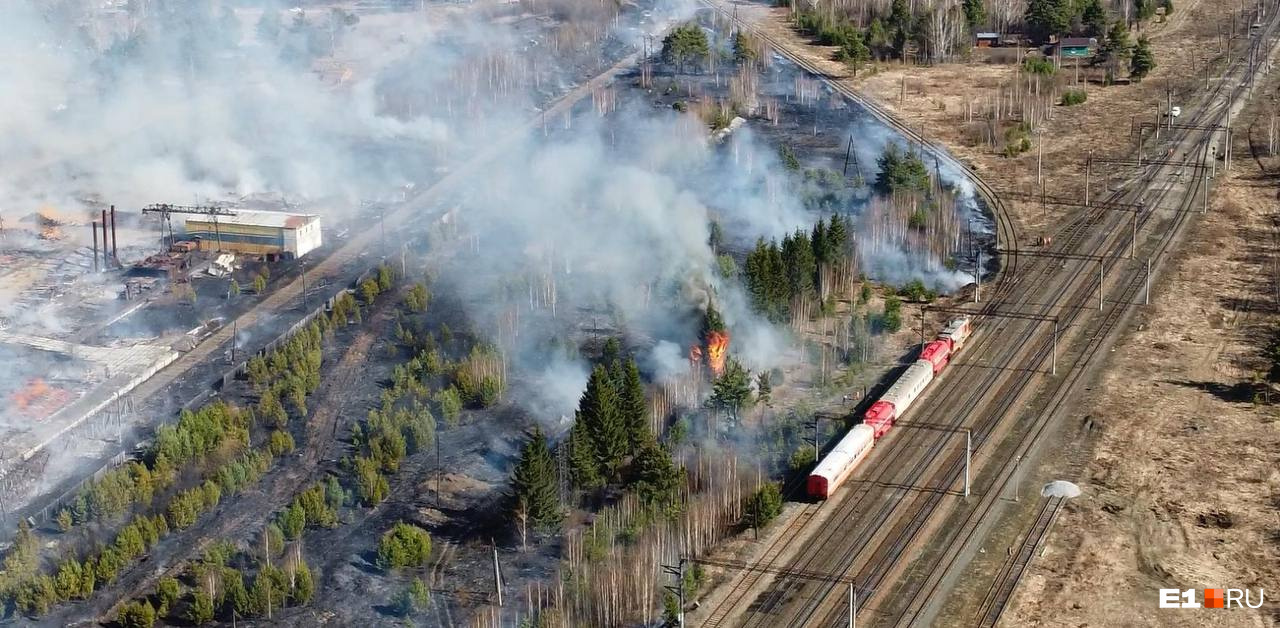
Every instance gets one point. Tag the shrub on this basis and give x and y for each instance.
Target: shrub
(137, 615)
(801, 458)
(168, 592)
(916, 291)
(1017, 140)
(280, 443)
(763, 506)
(404, 545)
(1039, 65)
(1074, 97)
(892, 313)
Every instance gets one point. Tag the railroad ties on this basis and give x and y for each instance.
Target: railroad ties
(1006, 581)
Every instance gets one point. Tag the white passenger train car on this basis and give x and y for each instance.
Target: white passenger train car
(908, 387)
(841, 461)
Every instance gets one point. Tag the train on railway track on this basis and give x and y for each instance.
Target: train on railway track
(841, 461)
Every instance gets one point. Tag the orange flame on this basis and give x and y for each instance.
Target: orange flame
(717, 351)
(695, 356)
(34, 390)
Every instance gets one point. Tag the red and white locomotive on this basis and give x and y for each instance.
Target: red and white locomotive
(840, 462)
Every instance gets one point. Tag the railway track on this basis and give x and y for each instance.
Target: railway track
(1100, 339)
(993, 604)
(1077, 234)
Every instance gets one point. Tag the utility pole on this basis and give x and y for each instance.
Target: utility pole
(817, 453)
(1088, 165)
(1017, 477)
(1040, 158)
(1100, 279)
(1205, 209)
(497, 573)
(1133, 244)
(439, 469)
(1044, 210)
(1226, 163)
(853, 606)
(968, 453)
(1142, 146)
(1055, 347)
(922, 327)
(1146, 299)
(678, 589)
(977, 273)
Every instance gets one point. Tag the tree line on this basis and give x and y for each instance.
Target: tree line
(216, 430)
(213, 587)
(862, 32)
(610, 444)
(778, 275)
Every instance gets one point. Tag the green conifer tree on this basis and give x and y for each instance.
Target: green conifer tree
(732, 390)
(583, 467)
(533, 483)
(598, 410)
(635, 411)
(1144, 60)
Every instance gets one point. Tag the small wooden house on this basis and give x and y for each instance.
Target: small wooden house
(987, 40)
(1077, 47)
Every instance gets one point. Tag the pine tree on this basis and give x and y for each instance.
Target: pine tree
(634, 410)
(818, 240)
(612, 351)
(685, 43)
(755, 271)
(1116, 47)
(877, 38)
(657, 480)
(1046, 18)
(764, 388)
(899, 16)
(901, 171)
(303, 584)
(800, 265)
(732, 390)
(743, 52)
(612, 361)
(837, 237)
(583, 467)
(975, 13)
(533, 483)
(711, 320)
(1094, 18)
(1144, 60)
(598, 410)
(779, 290)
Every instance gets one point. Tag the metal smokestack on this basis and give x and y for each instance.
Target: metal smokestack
(114, 257)
(94, 228)
(105, 263)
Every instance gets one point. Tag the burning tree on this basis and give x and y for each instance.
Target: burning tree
(716, 338)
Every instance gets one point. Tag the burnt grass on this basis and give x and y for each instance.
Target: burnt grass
(456, 491)
(469, 517)
(464, 519)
